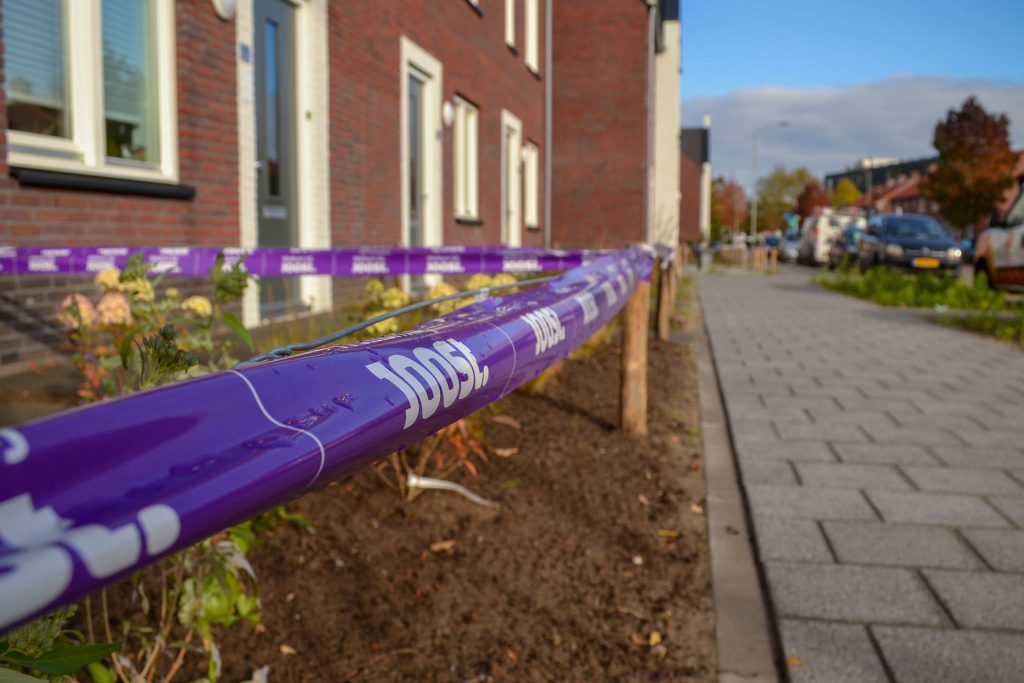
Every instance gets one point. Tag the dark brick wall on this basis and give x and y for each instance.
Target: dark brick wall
(689, 202)
(599, 122)
(208, 161)
(365, 99)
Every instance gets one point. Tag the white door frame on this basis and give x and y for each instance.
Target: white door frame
(312, 163)
(416, 60)
(511, 192)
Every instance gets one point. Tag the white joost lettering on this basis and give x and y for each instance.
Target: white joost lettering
(160, 526)
(623, 287)
(33, 580)
(460, 364)
(479, 378)
(428, 391)
(13, 445)
(22, 525)
(442, 371)
(105, 551)
(528, 319)
(589, 306)
(609, 293)
(381, 371)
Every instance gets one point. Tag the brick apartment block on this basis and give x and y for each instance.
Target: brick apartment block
(328, 123)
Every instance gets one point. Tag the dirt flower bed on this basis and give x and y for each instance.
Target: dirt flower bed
(594, 567)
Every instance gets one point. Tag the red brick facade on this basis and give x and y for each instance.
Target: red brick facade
(689, 210)
(599, 165)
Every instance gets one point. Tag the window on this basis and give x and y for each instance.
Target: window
(98, 99)
(465, 163)
(531, 182)
(510, 23)
(532, 37)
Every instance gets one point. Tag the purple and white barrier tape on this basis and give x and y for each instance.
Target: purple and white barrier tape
(285, 262)
(90, 495)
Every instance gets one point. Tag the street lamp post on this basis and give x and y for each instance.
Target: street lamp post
(753, 213)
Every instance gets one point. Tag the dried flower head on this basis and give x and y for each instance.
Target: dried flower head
(109, 279)
(114, 309)
(141, 290)
(76, 310)
(199, 305)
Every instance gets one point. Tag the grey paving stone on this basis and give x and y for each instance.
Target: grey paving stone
(976, 456)
(928, 655)
(964, 480)
(799, 451)
(796, 540)
(897, 454)
(935, 508)
(990, 437)
(830, 653)
(848, 475)
(923, 436)
(1011, 507)
(857, 417)
(809, 503)
(850, 593)
(981, 600)
(1003, 549)
(841, 433)
(752, 430)
(899, 545)
(768, 472)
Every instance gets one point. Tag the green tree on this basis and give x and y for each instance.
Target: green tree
(976, 163)
(777, 194)
(845, 194)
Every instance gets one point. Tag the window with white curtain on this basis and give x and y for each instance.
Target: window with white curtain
(464, 165)
(91, 87)
(532, 36)
(531, 185)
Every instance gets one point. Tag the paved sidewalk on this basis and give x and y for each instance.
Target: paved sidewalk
(883, 462)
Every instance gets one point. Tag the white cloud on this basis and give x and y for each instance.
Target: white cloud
(829, 129)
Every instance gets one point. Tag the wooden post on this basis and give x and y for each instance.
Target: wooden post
(666, 283)
(635, 321)
(774, 261)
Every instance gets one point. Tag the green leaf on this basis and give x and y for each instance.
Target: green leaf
(100, 673)
(238, 328)
(64, 659)
(8, 676)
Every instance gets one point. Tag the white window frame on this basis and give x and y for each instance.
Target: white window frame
(85, 151)
(416, 60)
(531, 186)
(465, 164)
(510, 23)
(511, 180)
(532, 50)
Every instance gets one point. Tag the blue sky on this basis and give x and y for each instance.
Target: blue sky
(863, 78)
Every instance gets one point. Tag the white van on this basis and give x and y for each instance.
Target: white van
(818, 232)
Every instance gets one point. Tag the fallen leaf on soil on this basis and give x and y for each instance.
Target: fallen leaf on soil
(630, 612)
(674, 438)
(654, 639)
(637, 560)
(506, 420)
(668, 533)
(637, 640)
(512, 657)
(511, 484)
(290, 597)
(441, 546)
(695, 465)
(696, 509)
(505, 452)
(659, 651)
(643, 499)
(288, 650)
(794, 662)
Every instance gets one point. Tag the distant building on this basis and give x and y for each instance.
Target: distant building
(695, 183)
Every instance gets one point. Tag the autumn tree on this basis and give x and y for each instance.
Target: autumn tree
(811, 198)
(845, 194)
(728, 205)
(777, 194)
(975, 163)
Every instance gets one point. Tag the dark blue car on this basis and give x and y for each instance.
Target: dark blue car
(909, 242)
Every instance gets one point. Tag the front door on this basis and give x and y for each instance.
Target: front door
(274, 40)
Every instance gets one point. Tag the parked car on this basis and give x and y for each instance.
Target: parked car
(908, 241)
(844, 246)
(790, 246)
(999, 251)
(818, 232)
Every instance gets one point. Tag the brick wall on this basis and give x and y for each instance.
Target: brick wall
(365, 99)
(599, 122)
(207, 141)
(689, 210)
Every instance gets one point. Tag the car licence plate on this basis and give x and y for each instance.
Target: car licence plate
(926, 263)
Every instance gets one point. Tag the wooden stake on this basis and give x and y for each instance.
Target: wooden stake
(774, 267)
(666, 286)
(635, 321)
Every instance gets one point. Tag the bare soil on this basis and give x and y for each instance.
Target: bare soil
(569, 580)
